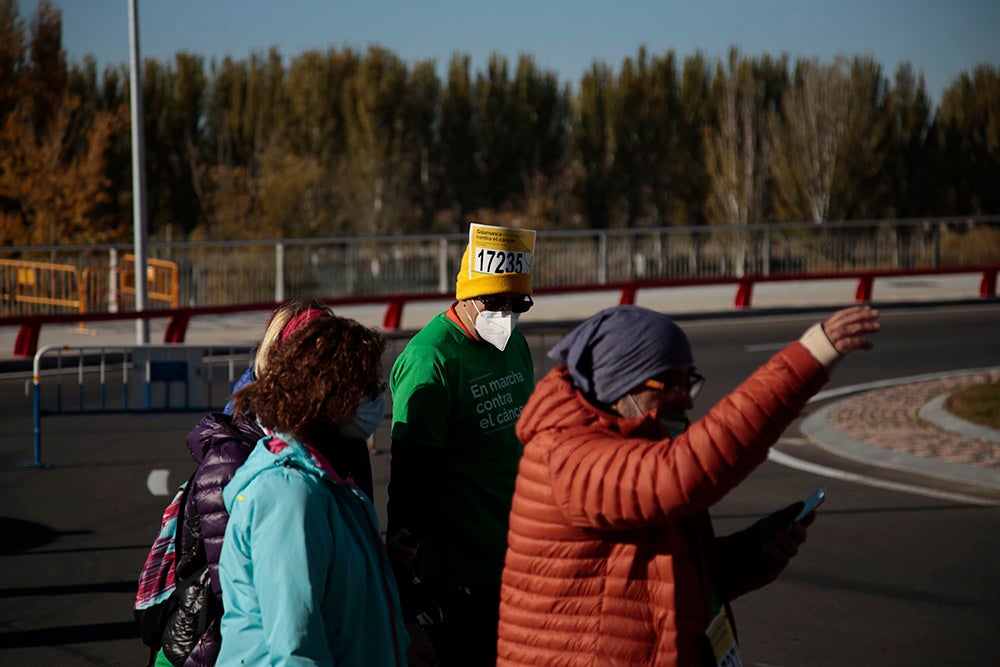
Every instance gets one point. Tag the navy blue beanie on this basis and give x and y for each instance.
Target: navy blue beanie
(618, 348)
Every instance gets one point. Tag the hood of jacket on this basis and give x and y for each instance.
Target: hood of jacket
(216, 428)
(262, 458)
(556, 404)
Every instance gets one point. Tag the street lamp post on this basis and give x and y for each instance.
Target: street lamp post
(138, 175)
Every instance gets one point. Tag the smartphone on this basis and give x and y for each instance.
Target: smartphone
(812, 502)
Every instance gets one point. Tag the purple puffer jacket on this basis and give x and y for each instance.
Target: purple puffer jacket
(218, 451)
(219, 445)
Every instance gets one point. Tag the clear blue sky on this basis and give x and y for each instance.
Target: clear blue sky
(940, 38)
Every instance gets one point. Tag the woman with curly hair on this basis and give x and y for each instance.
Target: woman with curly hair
(219, 444)
(304, 573)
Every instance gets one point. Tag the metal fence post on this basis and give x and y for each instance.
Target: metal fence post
(765, 268)
(113, 280)
(937, 244)
(443, 282)
(351, 265)
(602, 258)
(37, 425)
(279, 272)
(36, 401)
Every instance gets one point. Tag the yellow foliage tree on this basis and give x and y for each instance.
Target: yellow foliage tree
(55, 190)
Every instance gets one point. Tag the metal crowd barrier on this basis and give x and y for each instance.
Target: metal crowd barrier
(103, 379)
(162, 281)
(30, 287)
(38, 287)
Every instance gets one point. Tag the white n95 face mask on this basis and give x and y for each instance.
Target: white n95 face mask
(366, 418)
(495, 326)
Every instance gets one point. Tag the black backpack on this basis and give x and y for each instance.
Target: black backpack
(158, 607)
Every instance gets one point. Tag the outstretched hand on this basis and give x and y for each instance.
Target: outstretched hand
(847, 328)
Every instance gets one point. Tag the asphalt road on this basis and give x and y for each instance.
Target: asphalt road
(886, 577)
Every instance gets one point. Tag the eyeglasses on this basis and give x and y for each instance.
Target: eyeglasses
(517, 304)
(694, 384)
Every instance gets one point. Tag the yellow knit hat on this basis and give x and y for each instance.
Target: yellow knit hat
(499, 261)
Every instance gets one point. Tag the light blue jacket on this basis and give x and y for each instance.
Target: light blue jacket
(305, 577)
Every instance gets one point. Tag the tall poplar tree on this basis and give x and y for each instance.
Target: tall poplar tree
(592, 141)
(539, 120)
(459, 144)
(422, 120)
(497, 156)
(636, 135)
(909, 167)
(736, 154)
(374, 175)
(172, 100)
(969, 123)
(805, 135)
(696, 99)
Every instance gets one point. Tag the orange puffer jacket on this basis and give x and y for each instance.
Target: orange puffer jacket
(610, 548)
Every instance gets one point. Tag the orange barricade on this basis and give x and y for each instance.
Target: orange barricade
(162, 280)
(28, 288)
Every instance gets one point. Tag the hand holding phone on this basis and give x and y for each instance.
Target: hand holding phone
(811, 503)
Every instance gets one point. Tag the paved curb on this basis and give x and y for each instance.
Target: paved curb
(825, 434)
(935, 413)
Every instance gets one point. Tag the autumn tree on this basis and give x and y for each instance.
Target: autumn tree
(13, 56)
(105, 92)
(57, 192)
(53, 186)
(45, 71)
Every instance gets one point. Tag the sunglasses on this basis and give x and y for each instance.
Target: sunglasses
(516, 304)
(693, 386)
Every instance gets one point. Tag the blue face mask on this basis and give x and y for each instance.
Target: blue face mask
(366, 418)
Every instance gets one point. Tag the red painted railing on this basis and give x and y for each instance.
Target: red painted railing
(26, 343)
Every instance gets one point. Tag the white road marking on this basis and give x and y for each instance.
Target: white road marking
(832, 473)
(157, 480)
(790, 461)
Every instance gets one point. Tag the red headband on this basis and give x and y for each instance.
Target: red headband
(299, 320)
